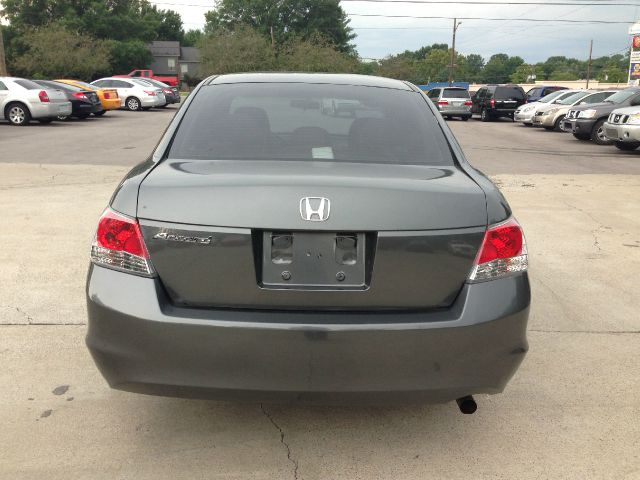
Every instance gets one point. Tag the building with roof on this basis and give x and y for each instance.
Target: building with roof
(170, 58)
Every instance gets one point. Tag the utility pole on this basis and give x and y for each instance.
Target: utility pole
(452, 66)
(273, 40)
(3, 64)
(589, 64)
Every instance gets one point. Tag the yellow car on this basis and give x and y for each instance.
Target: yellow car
(108, 96)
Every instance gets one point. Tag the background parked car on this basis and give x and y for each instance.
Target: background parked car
(586, 122)
(541, 91)
(146, 74)
(452, 101)
(552, 115)
(525, 113)
(171, 94)
(133, 96)
(494, 101)
(108, 97)
(623, 128)
(21, 100)
(83, 102)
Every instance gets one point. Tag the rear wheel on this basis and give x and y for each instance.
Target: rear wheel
(133, 104)
(464, 119)
(484, 115)
(17, 114)
(627, 146)
(597, 134)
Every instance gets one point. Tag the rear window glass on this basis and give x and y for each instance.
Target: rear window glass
(315, 122)
(455, 93)
(509, 93)
(28, 84)
(86, 85)
(570, 99)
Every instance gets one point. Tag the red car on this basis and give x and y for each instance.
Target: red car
(169, 80)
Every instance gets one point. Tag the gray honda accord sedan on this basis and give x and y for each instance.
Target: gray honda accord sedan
(308, 237)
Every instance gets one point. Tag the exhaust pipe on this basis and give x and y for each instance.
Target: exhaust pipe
(467, 405)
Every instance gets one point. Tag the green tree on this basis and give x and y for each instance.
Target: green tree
(316, 54)
(191, 38)
(398, 67)
(127, 56)
(241, 50)
(500, 67)
(52, 51)
(288, 19)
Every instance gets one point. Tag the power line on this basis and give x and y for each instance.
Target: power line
(468, 2)
(537, 20)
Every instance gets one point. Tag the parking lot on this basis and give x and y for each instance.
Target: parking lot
(570, 411)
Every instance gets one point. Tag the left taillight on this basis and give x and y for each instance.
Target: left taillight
(151, 93)
(44, 98)
(503, 252)
(119, 244)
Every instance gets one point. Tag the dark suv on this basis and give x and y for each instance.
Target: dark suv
(495, 101)
(540, 91)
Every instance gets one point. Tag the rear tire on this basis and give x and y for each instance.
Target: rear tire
(100, 113)
(133, 104)
(464, 119)
(627, 146)
(597, 134)
(17, 114)
(484, 115)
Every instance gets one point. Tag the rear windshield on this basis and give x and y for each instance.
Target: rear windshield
(86, 85)
(28, 84)
(315, 122)
(455, 93)
(509, 93)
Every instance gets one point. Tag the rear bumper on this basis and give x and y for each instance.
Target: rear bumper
(50, 109)
(526, 117)
(142, 343)
(456, 112)
(622, 133)
(82, 108)
(110, 103)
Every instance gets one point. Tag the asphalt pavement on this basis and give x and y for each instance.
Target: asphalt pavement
(570, 412)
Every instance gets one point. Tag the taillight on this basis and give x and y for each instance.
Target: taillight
(151, 93)
(443, 102)
(468, 103)
(503, 252)
(119, 245)
(493, 103)
(42, 95)
(79, 95)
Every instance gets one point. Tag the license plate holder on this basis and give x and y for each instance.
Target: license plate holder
(313, 260)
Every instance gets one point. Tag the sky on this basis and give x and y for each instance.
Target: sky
(533, 41)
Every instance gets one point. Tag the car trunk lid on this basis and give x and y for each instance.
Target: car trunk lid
(396, 237)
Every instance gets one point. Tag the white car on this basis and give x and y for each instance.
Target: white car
(623, 128)
(22, 100)
(525, 113)
(133, 95)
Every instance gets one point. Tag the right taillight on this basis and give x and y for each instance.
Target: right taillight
(119, 245)
(503, 252)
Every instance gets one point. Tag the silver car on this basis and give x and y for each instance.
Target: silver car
(22, 100)
(134, 95)
(452, 102)
(525, 113)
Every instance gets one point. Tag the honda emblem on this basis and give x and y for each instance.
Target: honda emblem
(314, 209)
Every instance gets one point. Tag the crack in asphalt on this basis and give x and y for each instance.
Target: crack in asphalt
(282, 440)
(601, 226)
(18, 309)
